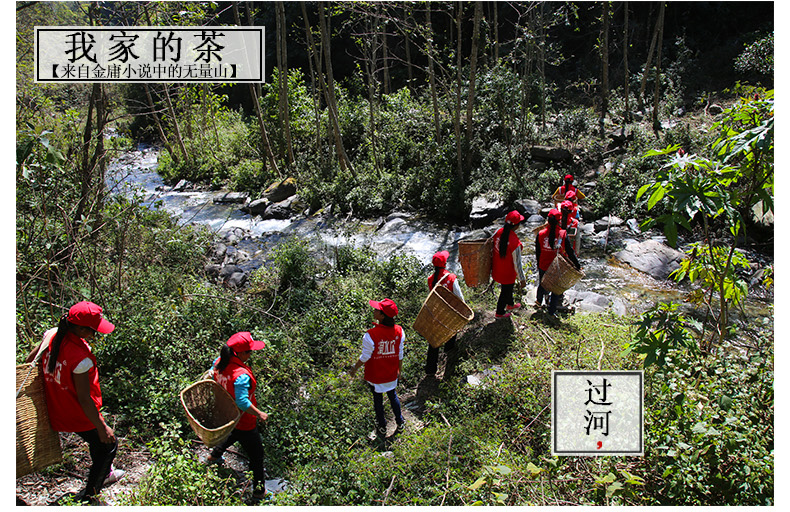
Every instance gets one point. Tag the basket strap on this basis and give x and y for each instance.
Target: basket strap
(440, 281)
(34, 363)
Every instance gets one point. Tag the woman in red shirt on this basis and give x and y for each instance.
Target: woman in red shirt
(72, 391)
(233, 374)
(506, 266)
(382, 353)
(449, 280)
(550, 241)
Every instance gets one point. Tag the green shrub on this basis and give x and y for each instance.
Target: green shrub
(178, 478)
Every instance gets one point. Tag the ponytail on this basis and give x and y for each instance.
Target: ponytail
(54, 345)
(565, 214)
(436, 273)
(552, 230)
(224, 357)
(503, 241)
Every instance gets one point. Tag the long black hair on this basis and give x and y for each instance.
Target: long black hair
(505, 239)
(54, 346)
(552, 230)
(225, 354)
(565, 215)
(437, 271)
(387, 321)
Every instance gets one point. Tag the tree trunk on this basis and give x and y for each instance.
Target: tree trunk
(313, 57)
(158, 123)
(176, 129)
(432, 77)
(604, 67)
(657, 89)
(472, 76)
(542, 64)
(626, 77)
(331, 101)
(643, 85)
(457, 113)
(256, 104)
(282, 71)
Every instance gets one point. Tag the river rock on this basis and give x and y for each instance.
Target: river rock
(485, 210)
(527, 207)
(633, 225)
(550, 154)
(588, 301)
(219, 251)
(279, 210)
(257, 207)
(181, 186)
(236, 280)
(232, 198)
(280, 191)
(212, 270)
(651, 257)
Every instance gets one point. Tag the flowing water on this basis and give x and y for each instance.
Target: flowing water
(135, 174)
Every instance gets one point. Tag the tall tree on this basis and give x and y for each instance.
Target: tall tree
(267, 147)
(470, 102)
(432, 74)
(648, 63)
(331, 100)
(657, 87)
(282, 72)
(604, 49)
(626, 76)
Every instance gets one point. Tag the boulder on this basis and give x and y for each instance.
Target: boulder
(257, 207)
(651, 257)
(605, 223)
(181, 186)
(232, 198)
(236, 280)
(527, 207)
(212, 270)
(588, 301)
(486, 210)
(550, 154)
(279, 210)
(280, 191)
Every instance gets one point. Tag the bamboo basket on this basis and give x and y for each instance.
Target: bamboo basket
(37, 445)
(475, 259)
(211, 411)
(442, 315)
(560, 275)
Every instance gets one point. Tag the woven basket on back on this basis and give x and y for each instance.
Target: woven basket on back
(443, 314)
(560, 275)
(475, 259)
(37, 445)
(211, 411)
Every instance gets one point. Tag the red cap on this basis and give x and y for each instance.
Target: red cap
(242, 342)
(440, 259)
(555, 213)
(514, 217)
(568, 177)
(571, 195)
(88, 314)
(566, 205)
(386, 306)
